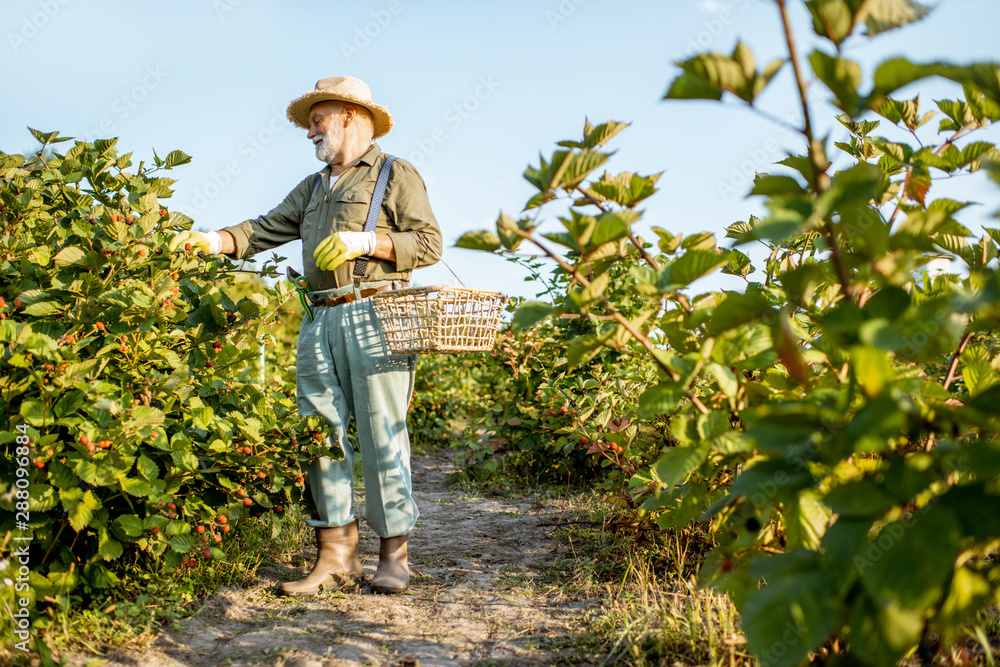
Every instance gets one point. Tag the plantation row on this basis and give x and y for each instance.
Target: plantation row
(830, 427)
(833, 423)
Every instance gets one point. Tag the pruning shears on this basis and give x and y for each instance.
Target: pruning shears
(301, 284)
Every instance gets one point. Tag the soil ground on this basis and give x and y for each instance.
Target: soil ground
(485, 589)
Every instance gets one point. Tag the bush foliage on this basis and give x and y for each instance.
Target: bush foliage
(134, 423)
(834, 420)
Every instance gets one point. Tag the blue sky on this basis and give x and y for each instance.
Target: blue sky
(477, 90)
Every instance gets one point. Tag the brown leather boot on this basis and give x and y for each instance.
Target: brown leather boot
(337, 562)
(393, 575)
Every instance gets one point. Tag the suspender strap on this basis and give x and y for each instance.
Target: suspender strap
(361, 263)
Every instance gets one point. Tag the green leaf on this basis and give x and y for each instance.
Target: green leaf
(182, 543)
(841, 76)
(80, 506)
(660, 399)
(766, 184)
(872, 369)
(860, 499)
(175, 159)
(481, 240)
(884, 15)
(136, 487)
(967, 594)
(35, 412)
(529, 314)
(806, 519)
(738, 309)
(695, 264)
(147, 467)
(832, 19)
(70, 255)
(882, 632)
(595, 137)
(108, 548)
(44, 308)
(47, 137)
(185, 460)
(146, 416)
(739, 264)
(673, 467)
(130, 524)
(789, 617)
(909, 561)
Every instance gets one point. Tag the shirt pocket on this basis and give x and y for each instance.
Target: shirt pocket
(310, 229)
(350, 210)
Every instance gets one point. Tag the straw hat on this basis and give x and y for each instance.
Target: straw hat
(344, 89)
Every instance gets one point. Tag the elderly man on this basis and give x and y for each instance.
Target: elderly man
(344, 365)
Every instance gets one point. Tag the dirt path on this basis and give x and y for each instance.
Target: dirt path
(483, 592)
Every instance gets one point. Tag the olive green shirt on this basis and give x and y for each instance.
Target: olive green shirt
(314, 211)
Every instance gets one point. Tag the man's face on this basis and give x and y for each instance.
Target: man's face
(326, 131)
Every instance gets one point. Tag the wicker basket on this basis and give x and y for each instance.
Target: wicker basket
(439, 319)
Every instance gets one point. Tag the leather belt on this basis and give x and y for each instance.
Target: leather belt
(352, 296)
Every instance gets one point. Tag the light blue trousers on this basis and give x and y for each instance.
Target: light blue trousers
(344, 367)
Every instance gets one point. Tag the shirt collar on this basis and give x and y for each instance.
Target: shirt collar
(367, 159)
(372, 155)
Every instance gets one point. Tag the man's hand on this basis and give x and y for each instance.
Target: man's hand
(210, 242)
(343, 246)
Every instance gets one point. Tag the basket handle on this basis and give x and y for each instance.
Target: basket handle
(451, 270)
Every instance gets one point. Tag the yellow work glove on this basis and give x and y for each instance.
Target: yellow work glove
(341, 247)
(210, 242)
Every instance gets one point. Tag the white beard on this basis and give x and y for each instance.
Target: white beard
(324, 151)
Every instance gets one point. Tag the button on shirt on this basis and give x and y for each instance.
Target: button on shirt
(316, 209)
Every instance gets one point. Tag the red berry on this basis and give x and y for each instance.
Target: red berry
(262, 474)
(142, 252)
(240, 492)
(300, 479)
(727, 565)
(200, 529)
(154, 530)
(225, 529)
(218, 538)
(279, 509)
(185, 560)
(171, 507)
(84, 440)
(163, 211)
(39, 464)
(221, 519)
(206, 553)
(187, 246)
(209, 364)
(317, 436)
(248, 502)
(17, 302)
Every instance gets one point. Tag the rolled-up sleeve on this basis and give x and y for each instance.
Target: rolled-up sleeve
(277, 227)
(416, 236)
